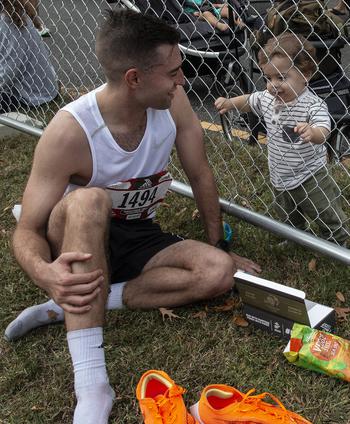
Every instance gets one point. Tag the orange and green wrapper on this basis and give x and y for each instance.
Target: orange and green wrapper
(319, 351)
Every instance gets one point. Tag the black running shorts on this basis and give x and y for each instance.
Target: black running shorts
(132, 244)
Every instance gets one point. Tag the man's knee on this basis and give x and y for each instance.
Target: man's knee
(217, 274)
(90, 204)
(77, 214)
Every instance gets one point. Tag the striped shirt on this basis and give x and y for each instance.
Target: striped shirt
(291, 161)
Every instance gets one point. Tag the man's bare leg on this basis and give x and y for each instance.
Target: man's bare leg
(79, 223)
(185, 272)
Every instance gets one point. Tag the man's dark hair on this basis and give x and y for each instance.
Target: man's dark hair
(129, 39)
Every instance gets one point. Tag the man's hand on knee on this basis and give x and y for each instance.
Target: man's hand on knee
(74, 292)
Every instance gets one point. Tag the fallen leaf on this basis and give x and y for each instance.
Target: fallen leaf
(195, 214)
(230, 304)
(200, 314)
(340, 296)
(37, 408)
(168, 313)
(52, 315)
(165, 205)
(342, 313)
(240, 321)
(312, 265)
(181, 212)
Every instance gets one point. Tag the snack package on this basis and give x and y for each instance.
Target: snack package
(319, 351)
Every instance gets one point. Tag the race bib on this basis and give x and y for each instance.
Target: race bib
(138, 198)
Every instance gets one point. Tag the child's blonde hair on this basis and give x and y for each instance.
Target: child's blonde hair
(296, 48)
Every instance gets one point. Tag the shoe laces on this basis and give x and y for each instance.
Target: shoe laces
(251, 403)
(167, 405)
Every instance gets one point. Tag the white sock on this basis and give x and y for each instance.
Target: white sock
(115, 296)
(49, 313)
(32, 317)
(94, 394)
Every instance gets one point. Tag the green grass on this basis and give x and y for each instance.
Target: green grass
(36, 382)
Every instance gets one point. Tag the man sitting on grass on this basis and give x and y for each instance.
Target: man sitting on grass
(99, 172)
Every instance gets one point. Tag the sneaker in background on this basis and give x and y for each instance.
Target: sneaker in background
(161, 400)
(44, 31)
(221, 404)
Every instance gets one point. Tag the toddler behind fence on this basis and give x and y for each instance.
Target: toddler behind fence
(298, 124)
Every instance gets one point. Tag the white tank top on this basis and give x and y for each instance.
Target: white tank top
(137, 181)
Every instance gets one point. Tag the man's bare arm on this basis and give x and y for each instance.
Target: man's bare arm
(191, 151)
(55, 161)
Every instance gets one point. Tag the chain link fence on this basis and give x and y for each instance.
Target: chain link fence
(217, 62)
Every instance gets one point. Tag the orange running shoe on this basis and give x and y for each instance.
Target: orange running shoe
(161, 400)
(221, 404)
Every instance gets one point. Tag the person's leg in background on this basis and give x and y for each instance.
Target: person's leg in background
(322, 204)
(32, 9)
(212, 20)
(287, 209)
(341, 8)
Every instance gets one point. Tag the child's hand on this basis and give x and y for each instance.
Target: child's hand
(305, 131)
(223, 105)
